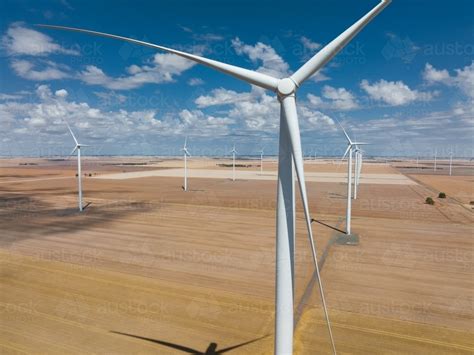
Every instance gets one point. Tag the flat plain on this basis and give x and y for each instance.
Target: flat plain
(149, 268)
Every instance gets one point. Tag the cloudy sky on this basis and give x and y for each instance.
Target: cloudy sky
(405, 83)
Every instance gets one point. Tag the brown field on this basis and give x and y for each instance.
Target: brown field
(178, 269)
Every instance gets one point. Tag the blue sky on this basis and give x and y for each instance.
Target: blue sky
(405, 83)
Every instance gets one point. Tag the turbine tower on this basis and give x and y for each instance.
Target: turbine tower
(186, 155)
(289, 159)
(233, 151)
(351, 146)
(435, 159)
(261, 161)
(77, 148)
(358, 152)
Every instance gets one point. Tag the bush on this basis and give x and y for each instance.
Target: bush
(442, 195)
(429, 201)
(471, 203)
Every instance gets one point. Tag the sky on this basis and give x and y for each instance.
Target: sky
(405, 84)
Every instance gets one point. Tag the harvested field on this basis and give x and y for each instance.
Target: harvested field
(174, 269)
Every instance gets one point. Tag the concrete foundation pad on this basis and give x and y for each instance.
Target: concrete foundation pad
(347, 239)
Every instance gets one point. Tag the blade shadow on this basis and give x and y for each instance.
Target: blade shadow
(327, 225)
(211, 349)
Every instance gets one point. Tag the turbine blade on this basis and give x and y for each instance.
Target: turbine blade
(347, 151)
(74, 150)
(251, 77)
(335, 46)
(292, 125)
(345, 133)
(72, 134)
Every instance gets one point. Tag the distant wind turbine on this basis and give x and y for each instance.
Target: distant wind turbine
(186, 155)
(261, 161)
(233, 151)
(350, 149)
(77, 148)
(435, 159)
(290, 159)
(451, 161)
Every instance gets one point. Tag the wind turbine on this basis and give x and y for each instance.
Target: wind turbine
(435, 159)
(351, 146)
(451, 161)
(290, 158)
(77, 148)
(186, 155)
(261, 161)
(233, 151)
(358, 168)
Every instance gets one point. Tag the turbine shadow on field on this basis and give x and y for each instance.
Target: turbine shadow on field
(211, 349)
(327, 225)
(25, 217)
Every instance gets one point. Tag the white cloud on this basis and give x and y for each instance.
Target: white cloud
(221, 96)
(163, 69)
(433, 75)
(341, 98)
(20, 40)
(332, 98)
(315, 119)
(463, 79)
(46, 117)
(260, 111)
(195, 82)
(394, 93)
(309, 44)
(61, 93)
(272, 63)
(49, 71)
(15, 96)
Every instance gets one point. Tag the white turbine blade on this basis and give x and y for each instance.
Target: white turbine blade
(335, 46)
(74, 150)
(72, 134)
(345, 153)
(251, 77)
(185, 141)
(343, 130)
(292, 125)
(187, 152)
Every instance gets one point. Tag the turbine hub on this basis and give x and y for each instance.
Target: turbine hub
(286, 87)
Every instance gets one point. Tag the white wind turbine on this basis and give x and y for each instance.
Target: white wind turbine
(451, 161)
(289, 159)
(358, 168)
(234, 152)
(77, 148)
(435, 159)
(186, 155)
(261, 161)
(351, 146)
